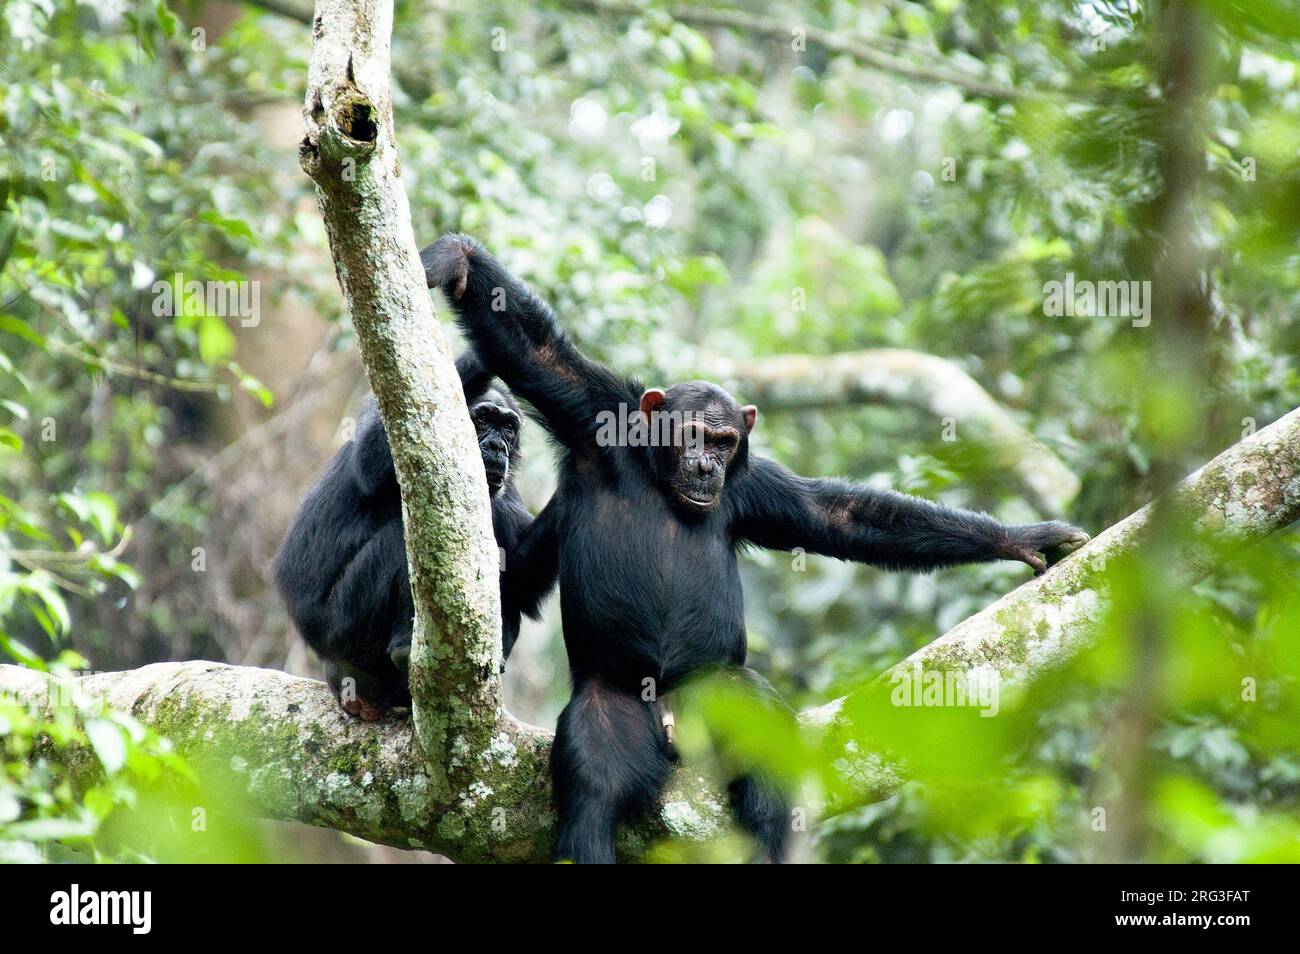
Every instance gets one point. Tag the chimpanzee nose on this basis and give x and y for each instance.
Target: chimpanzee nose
(705, 465)
(495, 445)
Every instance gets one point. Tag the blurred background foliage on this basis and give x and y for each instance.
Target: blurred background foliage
(680, 191)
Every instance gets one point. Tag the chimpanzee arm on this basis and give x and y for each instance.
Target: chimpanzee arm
(519, 340)
(369, 458)
(529, 573)
(775, 508)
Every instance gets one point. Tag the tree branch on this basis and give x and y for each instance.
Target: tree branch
(895, 376)
(864, 49)
(298, 757)
(1246, 493)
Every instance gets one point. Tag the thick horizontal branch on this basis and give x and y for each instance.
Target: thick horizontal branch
(283, 742)
(896, 376)
(1246, 493)
(298, 757)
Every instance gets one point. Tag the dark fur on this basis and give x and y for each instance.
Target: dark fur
(649, 583)
(342, 567)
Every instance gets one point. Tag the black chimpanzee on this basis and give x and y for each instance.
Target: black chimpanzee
(647, 539)
(342, 567)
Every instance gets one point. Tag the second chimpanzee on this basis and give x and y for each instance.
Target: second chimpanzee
(647, 533)
(342, 567)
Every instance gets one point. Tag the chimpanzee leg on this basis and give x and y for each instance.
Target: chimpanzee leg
(760, 802)
(609, 762)
(372, 615)
(763, 810)
(399, 643)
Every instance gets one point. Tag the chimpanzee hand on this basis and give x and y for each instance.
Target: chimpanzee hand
(1052, 538)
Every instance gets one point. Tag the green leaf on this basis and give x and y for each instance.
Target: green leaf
(10, 808)
(95, 508)
(20, 653)
(137, 140)
(216, 341)
(16, 326)
(166, 19)
(101, 513)
(255, 387)
(8, 233)
(58, 619)
(108, 742)
(231, 227)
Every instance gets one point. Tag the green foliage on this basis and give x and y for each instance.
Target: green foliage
(79, 783)
(115, 172)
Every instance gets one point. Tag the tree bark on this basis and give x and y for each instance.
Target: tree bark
(351, 153)
(298, 757)
(898, 376)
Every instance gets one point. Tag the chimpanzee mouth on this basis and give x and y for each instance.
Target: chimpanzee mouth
(701, 502)
(496, 475)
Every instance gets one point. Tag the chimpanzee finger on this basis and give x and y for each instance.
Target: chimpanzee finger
(1035, 561)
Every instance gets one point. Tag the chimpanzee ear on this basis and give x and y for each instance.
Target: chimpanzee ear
(651, 401)
(750, 414)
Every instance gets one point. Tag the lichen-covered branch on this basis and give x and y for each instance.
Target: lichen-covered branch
(297, 756)
(897, 376)
(283, 742)
(351, 153)
(1249, 491)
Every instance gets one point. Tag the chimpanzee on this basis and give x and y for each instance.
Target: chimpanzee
(342, 567)
(647, 532)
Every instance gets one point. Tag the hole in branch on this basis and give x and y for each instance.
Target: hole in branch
(357, 120)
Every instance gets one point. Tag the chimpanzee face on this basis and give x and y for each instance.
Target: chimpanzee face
(709, 431)
(497, 424)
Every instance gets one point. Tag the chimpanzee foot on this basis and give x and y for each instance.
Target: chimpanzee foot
(361, 709)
